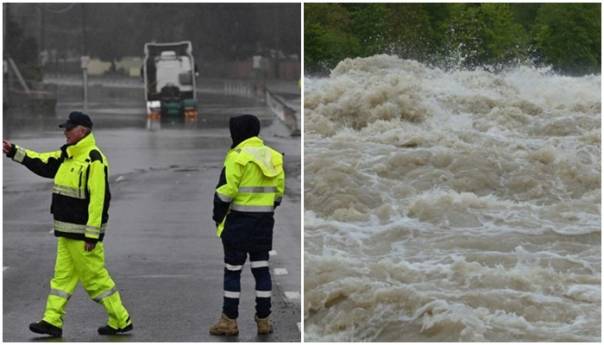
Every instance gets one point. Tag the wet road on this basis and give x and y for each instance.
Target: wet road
(160, 247)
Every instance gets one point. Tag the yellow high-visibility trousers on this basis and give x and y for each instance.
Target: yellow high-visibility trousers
(74, 265)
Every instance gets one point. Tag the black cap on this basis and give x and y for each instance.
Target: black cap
(77, 118)
(243, 127)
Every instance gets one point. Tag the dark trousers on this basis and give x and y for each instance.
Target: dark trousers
(234, 260)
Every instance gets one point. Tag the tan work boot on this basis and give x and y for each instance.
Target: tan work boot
(265, 325)
(225, 326)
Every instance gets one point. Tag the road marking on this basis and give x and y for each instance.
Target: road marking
(272, 253)
(161, 276)
(292, 295)
(4, 268)
(280, 271)
(299, 327)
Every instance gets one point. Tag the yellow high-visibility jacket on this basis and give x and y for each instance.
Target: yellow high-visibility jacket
(253, 181)
(80, 196)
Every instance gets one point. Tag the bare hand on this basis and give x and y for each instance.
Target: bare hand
(6, 146)
(89, 246)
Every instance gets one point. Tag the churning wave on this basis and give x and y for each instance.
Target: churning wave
(451, 205)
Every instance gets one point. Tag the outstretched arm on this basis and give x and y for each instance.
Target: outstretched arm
(43, 164)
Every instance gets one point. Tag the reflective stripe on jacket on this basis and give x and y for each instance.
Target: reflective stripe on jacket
(252, 181)
(80, 195)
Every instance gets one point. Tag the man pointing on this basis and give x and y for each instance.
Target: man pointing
(80, 201)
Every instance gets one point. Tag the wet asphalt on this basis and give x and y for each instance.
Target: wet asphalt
(161, 248)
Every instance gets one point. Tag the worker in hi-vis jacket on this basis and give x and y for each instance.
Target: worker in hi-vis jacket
(250, 187)
(80, 201)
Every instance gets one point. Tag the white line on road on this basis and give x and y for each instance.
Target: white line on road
(163, 276)
(272, 252)
(292, 295)
(280, 271)
(299, 327)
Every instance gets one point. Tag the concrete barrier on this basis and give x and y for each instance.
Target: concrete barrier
(283, 111)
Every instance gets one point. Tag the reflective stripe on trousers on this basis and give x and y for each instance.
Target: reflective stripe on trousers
(231, 294)
(263, 294)
(233, 267)
(60, 293)
(104, 295)
(258, 264)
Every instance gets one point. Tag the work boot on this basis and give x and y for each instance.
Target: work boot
(225, 326)
(44, 327)
(265, 326)
(108, 330)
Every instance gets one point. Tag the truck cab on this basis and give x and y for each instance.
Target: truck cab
(170, 81)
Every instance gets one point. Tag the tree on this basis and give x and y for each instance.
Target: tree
(525, 14)
(327, 36)
(506, 40)
(494, 35)
(410, 33)
(568, 36)
(368, 25)
(486, 34)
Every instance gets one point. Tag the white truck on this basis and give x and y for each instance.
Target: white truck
(169, 75)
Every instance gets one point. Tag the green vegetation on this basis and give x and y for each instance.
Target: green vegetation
(568, 36)
(565, 36)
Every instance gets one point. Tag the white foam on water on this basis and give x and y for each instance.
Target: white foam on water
(451, 205)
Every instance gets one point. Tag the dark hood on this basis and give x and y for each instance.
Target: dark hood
(243, 127)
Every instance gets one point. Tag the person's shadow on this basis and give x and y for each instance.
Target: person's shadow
(109, 338)
(48, 339)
